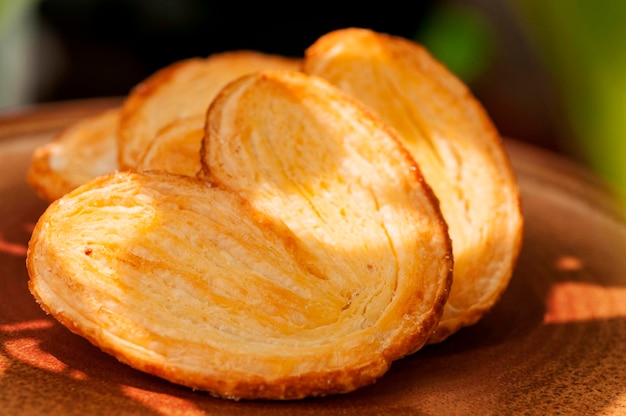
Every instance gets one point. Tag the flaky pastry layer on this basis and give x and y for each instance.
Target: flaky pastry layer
(456, 146)
(308, 258)
(183, 90)
(78, 154)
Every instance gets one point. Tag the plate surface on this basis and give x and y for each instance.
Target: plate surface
(554, 344)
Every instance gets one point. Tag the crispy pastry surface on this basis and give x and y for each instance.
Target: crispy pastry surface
(175, 148)
(183, 90)
(78, 154)
(309, 257)
(456, 146)
(160, 125)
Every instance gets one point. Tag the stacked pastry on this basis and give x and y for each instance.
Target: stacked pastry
(278, 228)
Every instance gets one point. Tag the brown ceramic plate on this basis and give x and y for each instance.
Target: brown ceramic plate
(554, 344)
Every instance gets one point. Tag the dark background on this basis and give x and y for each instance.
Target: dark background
(99, 48)
(119, 42)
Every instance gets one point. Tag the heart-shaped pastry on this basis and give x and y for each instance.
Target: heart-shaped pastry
(309, 256)
(456, 146)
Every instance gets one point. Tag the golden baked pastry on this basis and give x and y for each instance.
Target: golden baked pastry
(456, 146)
(165, 104)
(175, 148)
(78, 154)
(183, 89)
(309, 256)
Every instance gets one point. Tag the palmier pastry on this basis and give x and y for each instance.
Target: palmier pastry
(183, 90)
(456, 146)
(171, 101)
(309, 256)
(75, 156)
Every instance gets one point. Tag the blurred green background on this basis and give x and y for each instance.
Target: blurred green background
(551, 73)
